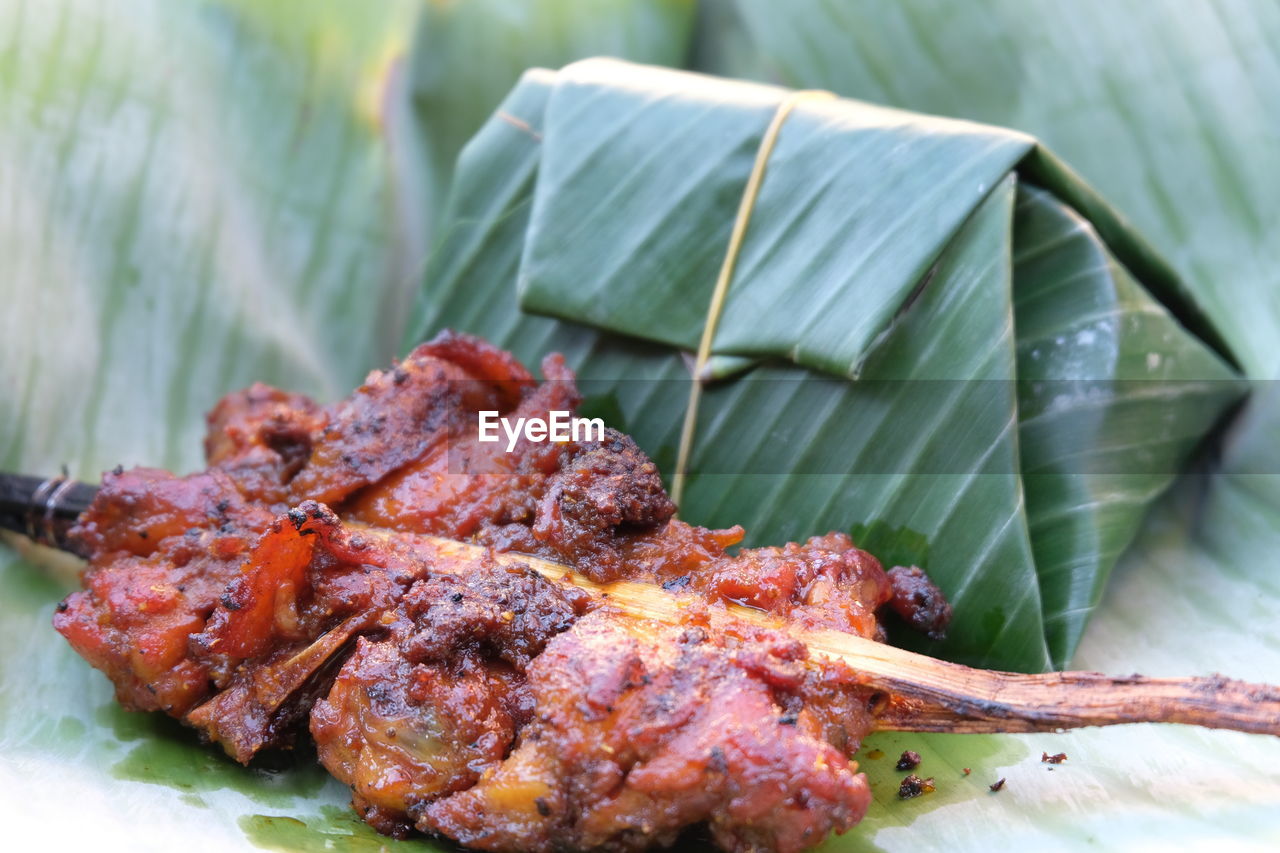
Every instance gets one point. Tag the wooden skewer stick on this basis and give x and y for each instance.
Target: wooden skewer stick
(928, 695)
(42, 509)
(920, 693)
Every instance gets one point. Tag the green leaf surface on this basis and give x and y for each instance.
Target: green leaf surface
(466, 56)
(1168, 108)
(194, 196)
(881, 375)
(191, 199)
(1095, 451)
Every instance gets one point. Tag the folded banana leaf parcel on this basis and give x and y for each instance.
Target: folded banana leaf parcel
(819, 314)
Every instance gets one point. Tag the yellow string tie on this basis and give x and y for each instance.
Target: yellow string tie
(740, 223)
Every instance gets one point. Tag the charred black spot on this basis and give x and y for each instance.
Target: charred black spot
(914, 786)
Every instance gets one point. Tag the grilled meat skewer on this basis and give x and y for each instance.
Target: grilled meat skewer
(525, 650)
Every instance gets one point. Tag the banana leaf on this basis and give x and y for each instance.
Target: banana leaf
(1169, 109)
(196, 196)
(937, 337)
(444, 92)
(191, 198)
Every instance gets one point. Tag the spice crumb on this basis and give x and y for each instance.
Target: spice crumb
(998, 784)
(1057, 758)
(966, 771)
(909, 760)
(914, 786)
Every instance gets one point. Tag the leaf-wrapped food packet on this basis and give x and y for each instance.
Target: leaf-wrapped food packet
(934, 336)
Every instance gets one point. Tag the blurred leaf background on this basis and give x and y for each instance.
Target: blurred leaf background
(197, 195)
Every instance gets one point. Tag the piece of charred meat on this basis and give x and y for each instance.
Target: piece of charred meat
(919, 602)
(427, 708)
(163, 551)
(640, 730)
(292, 588)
